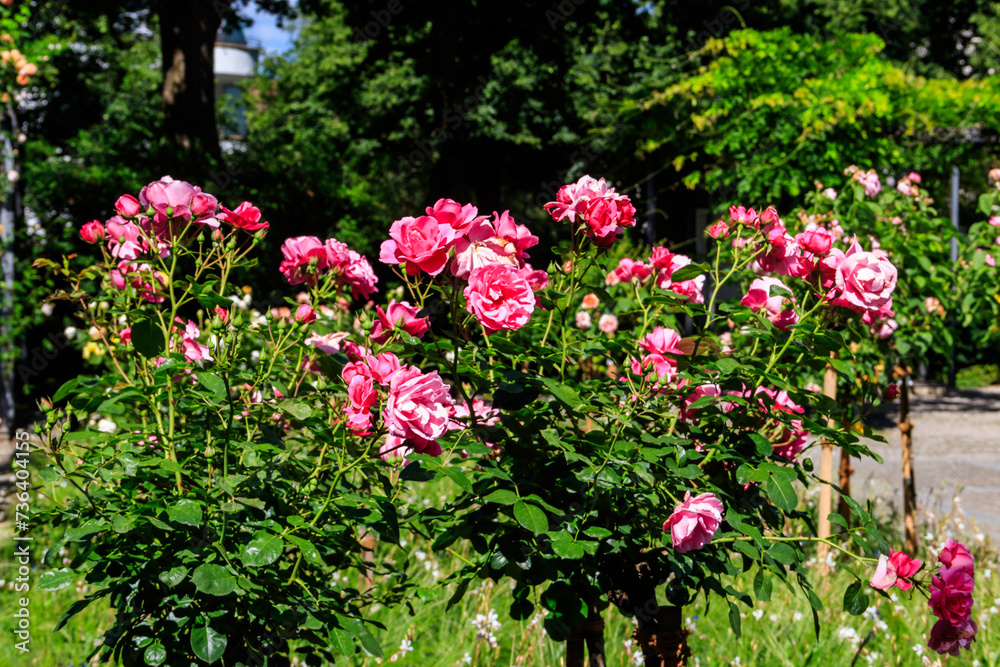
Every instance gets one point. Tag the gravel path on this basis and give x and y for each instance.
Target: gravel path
(956, 448)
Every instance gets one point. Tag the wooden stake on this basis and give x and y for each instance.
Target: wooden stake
(826, 476)
(909, 485)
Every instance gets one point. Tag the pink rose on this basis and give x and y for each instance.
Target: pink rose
(193, 350)
(125, 239)
(497, 241)
(704, 390)
(449, 212)
(93, 232)
(694, 522)
(884, 576)
(127, 206)
(719, 230)
(739, 215)
(221, 313)
(383, 366)
(142, 277)
(330, 343)
(246, 217)
(951, 595)
(361, 395)
(499, 297)
(421, 244)
(608, 323)
(397, 314)
(176, 203)
(305, 314)
(955, 555)
(913, 177)
(605, 212)
(883, 330)
(659, 343)
(537, 278)
(759, 297)
(864, 281)
(305, 257)
(905, 567)
(817, 241)
(418, 406)
(629, 269)
(583, 320)
(948, 639)
(590, 302)
(357, 273)
(990, 261)
(995, 220)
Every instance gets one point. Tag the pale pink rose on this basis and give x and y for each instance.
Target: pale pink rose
(956, 555)
(125, 240)
(884, 576)
(127, 206)
(177, 203)
(759, 297)
(608, 323)
(990, 261)
(395, 449)
(951, 595)
(398, 314)
(995, 220)
(458, 217)
(590, 302)
(865, 282)
(421, 244)
(906, 188)
(694, 522)
(583, 320)
(869, 179)
(932, 304)
(500, 240)
(418, 406)
(93, 232)
(499, 297)
(537, 278)
(305, 314)
(883, 330)
(246, 217)
(948, 639)
(486, 415)
(612, 278)
(830, 193)
(660, 343)
(817, 241)
(193, 350)
(693, 290)
(305, 258)
(331, 343)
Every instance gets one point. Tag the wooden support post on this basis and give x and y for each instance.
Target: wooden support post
(826, 476)
(909, 485)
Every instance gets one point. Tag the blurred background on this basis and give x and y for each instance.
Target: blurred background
(336, 118)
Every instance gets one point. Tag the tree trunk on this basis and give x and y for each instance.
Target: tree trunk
(826, 477)
(663, 639)
(909, 485)
(591, 635)
(187, 32)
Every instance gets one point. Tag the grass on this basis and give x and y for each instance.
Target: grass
(478, 632)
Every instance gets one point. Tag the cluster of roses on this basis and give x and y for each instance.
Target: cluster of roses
(604, 213)
(856, 279)
(869, 179)
(23, 69)
(307, 260)
(164, 210)
(660, 268)
(489, 254)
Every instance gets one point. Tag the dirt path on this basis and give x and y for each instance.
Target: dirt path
(956, 445)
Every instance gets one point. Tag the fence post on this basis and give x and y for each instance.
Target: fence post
(826, 476)
(909, 486)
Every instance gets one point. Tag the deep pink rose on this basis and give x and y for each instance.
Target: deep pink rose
(358, 274)
(951, 595)
(246, 216)
(421, 244)
(956, 555)
(418, 406)
(905, 567)
(93, 232)
(817, 241)
(499, 297)
(605, 212)
(496, 241)
(739, 215)
(865, 282)
(397, 314)
(719, 230)
(305, 258)
(127, 206)
(305, 314)
(699, 392)
(361, 395)
(948, 639)
(694, 522)
(537, 278)
(759, 297)
(193, 350)
(629, 269)
(913, 177)
(383, 365)
(660, 343)
(458, 217)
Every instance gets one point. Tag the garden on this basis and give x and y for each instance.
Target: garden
(343, 418)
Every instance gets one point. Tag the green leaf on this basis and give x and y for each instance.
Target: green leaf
(782, 553)
(502, 497)
(341, 641)
(762, 586)
(56, 580)
(215, 384)
(186, 511)
(73, 610)
(147, 338)
(734, 619)
(121, 523)
(562, 393)
(308, 549)
(763, 445)
(300, 411)
(155, 654)
(65, 390)
(371, 645)
(213, 579)
(458, 476)
(49, 473)
(173, 576)
(208, 644)
(263, 549)
(781, 493)
(531, 517)
(855, 599)
(564, 546)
